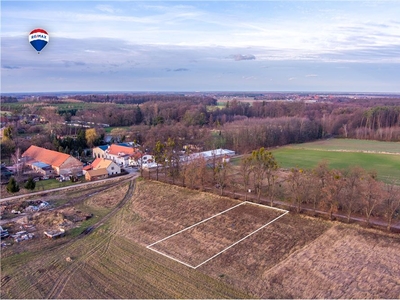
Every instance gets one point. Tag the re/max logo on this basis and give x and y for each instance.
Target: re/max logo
(34, 36)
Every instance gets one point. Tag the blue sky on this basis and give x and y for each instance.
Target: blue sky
(338, 46)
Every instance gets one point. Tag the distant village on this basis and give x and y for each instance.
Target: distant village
(108, 160)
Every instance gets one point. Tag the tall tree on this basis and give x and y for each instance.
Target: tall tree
(332, 191)
(201, 171)
(373, 196)
(263, 165)
(190, 173)
(16, 157)
(91, 136)
(391, 203)
(301, 183)
(159, 156)
(352, 191)
(222, 173)
(171, 156)
(245, 170)
(8, 133)
(320, 174)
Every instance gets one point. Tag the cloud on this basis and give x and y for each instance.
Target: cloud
(9, 67)
(239, 57)
(292, 78)
(177, 70)
(249, 77)
(107, 8)
(70, 63)
(311, 75)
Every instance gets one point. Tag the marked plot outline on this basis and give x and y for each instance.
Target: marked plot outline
(201, 242)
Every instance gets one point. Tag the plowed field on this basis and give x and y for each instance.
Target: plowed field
(293, 257)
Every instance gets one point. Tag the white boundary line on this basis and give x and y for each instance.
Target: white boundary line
(179, 261)
(205, 220)
(240, 240)
(267, 206)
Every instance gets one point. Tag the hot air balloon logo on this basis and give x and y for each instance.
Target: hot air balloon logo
(38, 39)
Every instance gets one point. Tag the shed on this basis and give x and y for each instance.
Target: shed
(96, 174)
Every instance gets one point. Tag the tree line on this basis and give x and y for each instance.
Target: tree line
(349, 192)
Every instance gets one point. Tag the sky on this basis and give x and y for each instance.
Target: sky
(310, 46)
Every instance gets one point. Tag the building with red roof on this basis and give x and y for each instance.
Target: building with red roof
(118, 153)
(63, 164)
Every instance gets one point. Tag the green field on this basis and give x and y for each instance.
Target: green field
(341, 153)
(351, 145)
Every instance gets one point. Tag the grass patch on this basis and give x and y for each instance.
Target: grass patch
(53, 184)
(387, 166)
(351, 145)
(110, 129)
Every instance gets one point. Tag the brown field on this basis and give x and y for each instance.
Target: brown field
(345, 262)
(293, 257)
(203, 241)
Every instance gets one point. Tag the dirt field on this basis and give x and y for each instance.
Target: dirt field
(203, 241)
(103, 264)
(345, 262)
(162, 210)
(276, 261)
(293, 257)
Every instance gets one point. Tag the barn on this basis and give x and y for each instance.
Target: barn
(62, 164)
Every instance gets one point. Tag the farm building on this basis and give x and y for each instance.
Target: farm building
(96, 174)
(43, 168)
(62, 164)
(223, 154)
(118, 153)
(102, 163)
(100, 151)
(145, 161)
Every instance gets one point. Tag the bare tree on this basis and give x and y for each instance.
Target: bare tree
(189, 173)
(171, 159)
(373, 196)
(320, 174)
(159, 156)
(222, 172)
(245, 170)
(300, 182)
(352, 190)
(184, 165)
(263, 165)
(16, 158)
(201, 171)
(332, 192)
(391, 203)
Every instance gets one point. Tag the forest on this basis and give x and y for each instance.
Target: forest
(198, 120)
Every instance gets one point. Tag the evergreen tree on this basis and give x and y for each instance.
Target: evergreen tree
(12, 186)
(30, 184)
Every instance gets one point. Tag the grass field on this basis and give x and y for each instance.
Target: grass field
(341, 153)
(351, 145)
(293, 257)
